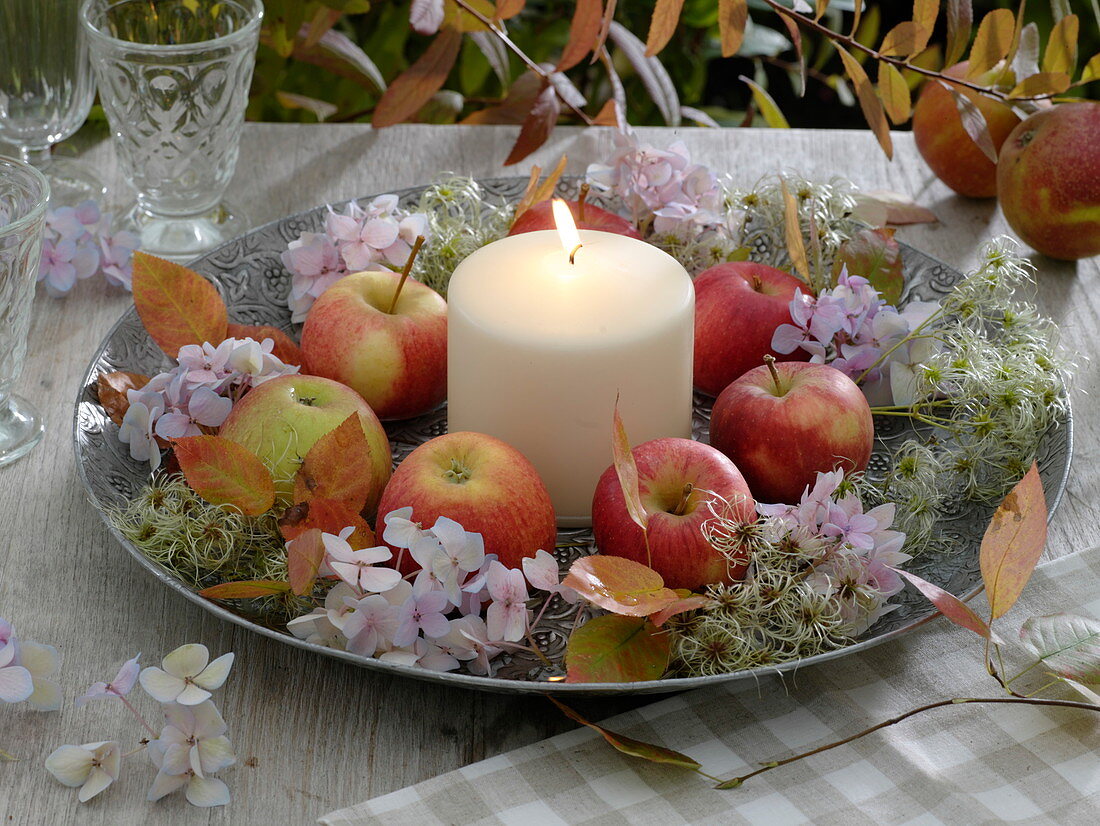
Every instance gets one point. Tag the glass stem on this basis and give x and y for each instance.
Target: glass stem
(36, 156)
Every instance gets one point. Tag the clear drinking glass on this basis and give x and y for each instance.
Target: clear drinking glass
(173, 78)
(46, 90)
(23, 196)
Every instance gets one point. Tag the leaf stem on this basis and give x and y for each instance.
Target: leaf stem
(852, 43)
(137, 714)
(502, 35)
(735, 782)
(405, 272)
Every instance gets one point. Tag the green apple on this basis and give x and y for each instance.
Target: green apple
(283, 418)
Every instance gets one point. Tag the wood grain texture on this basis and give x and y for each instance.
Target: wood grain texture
(311, 734)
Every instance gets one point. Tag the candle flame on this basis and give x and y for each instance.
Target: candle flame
(567, 228)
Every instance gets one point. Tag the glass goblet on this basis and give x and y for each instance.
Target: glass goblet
(24, 193)
(46, 90)
(173, 79)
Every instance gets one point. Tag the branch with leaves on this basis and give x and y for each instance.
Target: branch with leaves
(1065, 646)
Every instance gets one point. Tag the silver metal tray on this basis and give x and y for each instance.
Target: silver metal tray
(251, 278)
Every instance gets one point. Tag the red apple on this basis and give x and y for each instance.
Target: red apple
(674, 477)
(944, 144)
(396, 361)
(283, 418)
(1048, 180)
(783, 423)
(482, 483)
(738, 307)
(540, 216)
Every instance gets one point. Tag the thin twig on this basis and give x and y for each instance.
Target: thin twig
(528, 62)
(735, 782)
(852, 43)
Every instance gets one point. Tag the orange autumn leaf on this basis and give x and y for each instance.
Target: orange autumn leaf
(991, 44)
(304, 555)
(949, 605)
(286, 350)
(176, 304)
(894, 92)
(225, 473)
(328, 516)
(1013, 543)
(246, 589)
(537, 192)
(620, 585)
(338, 466)
(662, 25)
(416, 85)
(111, 390)
(792, 229)
(583, 32)
(869, 103)
(733, 17)
(627, 471)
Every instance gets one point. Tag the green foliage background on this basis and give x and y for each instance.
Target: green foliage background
(702, 77)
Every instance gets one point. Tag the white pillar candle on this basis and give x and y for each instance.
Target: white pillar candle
(539, 348)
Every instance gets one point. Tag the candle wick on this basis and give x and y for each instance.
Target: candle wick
(574, 252)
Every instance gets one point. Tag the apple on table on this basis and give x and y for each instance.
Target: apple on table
(485, 485)
(283, 418)
(676, 479)
(738, 306)
(784, 422)
(394, 355)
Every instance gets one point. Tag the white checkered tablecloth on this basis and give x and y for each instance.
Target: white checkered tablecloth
(958, 765)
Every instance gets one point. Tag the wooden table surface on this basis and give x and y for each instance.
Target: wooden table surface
(314, 734)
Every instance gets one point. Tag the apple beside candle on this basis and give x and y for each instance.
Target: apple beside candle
(547, 328)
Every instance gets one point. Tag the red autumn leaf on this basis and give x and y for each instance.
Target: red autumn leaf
(620, 585)
(616, 649)
(285, 349)
(666, 14)
(225, 473)
(630, 746)
(329, 516)
(111, 389)
(1013, 543)
(950, 605)
(415, 87)
(538, 124)
(583, 31)
(304, 555)
(515, 106)
(338, 466)
(875, 255)
(880, 206)
(509, 8)
(247, 589)
(177, 305)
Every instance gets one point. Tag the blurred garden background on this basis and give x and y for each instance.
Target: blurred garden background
(331, 59)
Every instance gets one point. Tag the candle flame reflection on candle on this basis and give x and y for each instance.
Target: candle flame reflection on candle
(567, 228)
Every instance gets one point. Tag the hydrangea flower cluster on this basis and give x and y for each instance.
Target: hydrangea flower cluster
(375, 238)
(199, 392)
(680, 197)
(25, 671)
(188, 750)
(78, 243)
(856, 551)
(852, 328)
(435, 621)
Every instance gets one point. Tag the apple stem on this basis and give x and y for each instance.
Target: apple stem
(405, 272)
(769, 360)
(585, 188)
(681, 506)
